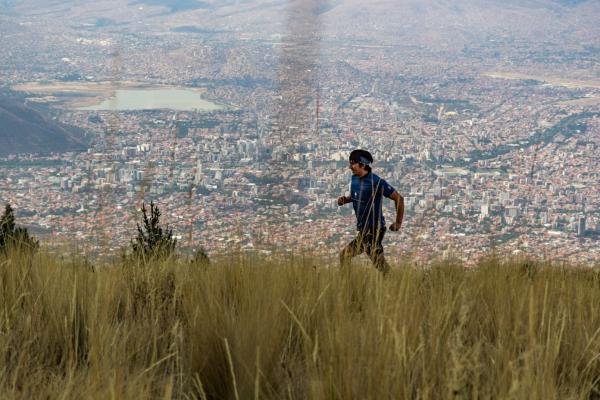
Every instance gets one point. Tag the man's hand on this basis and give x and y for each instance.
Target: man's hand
(395, 226)
(341, 200)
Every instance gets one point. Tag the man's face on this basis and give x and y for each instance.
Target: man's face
(357, 168)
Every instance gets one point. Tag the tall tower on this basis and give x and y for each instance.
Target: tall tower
(581, 225)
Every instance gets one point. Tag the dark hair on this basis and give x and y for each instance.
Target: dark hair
(363, 157)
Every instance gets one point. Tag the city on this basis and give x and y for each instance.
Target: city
(492, 143)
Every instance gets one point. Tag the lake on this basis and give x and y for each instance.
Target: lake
(155, 99)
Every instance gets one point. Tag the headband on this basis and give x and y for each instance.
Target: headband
(361, 159)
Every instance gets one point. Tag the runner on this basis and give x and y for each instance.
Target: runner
(366, 192)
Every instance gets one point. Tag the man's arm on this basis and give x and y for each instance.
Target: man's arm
(399, 201)
(343, 200)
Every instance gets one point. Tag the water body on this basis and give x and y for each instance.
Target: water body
(155, 99)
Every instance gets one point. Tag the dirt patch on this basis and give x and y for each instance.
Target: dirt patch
(586, 101)
(556, 81)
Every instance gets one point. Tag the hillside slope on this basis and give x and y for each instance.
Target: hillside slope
(26, 130)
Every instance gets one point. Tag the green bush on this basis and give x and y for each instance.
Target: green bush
(13, 237)
(152, 241)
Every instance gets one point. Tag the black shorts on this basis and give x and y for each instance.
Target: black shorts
(368, 241)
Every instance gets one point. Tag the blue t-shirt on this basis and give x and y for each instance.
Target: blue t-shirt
(366, 193)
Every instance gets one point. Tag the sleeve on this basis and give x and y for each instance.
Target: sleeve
(386, 188)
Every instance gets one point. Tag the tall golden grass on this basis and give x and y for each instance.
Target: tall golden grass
(246, 328)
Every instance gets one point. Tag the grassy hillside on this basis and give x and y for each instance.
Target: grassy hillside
(243, 328)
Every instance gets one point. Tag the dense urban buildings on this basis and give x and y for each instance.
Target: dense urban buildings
(493, 141)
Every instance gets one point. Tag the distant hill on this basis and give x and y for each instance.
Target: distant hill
(178, 5)
(447, 25)
(406, 15)
(26, 130)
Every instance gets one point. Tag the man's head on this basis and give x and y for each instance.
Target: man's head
(360, 162)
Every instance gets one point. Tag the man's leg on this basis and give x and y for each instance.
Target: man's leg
(375, 251)
(352, 249)
(380, 263)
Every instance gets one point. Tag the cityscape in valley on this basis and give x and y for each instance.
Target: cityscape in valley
(237, 118)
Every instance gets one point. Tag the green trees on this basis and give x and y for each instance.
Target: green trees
(152, 241)
(12, 236)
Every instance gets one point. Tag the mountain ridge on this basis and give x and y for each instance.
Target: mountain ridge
(24, 129)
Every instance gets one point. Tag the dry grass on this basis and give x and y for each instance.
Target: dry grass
(244, 328)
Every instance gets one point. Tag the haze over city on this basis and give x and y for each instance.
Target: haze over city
(237, 118)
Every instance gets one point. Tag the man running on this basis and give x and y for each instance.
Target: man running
(366, 192)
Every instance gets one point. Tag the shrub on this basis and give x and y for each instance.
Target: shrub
(200, 258)
(12, 236)
(152, 240)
